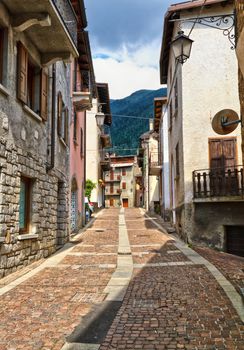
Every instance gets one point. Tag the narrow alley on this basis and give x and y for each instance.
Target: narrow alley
(123, 283)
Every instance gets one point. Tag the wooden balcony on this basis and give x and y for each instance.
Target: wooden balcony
(220, 184)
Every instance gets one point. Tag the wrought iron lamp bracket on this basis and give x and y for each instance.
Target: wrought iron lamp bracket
(225, 23)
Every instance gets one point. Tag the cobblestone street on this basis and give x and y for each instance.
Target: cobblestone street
(169, 297)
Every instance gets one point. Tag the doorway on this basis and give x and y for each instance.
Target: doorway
(235, 240)
(111, 202)
(125, 202)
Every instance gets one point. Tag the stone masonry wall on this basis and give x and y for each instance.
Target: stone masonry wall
(16, 252)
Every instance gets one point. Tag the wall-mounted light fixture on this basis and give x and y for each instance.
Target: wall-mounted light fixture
(181, 46)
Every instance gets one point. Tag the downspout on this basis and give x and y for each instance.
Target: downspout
(51, 165)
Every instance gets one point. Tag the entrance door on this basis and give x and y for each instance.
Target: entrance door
(111, 202)
(125, 203)
(235, 240)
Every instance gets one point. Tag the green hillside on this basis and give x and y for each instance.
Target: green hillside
(125, 132)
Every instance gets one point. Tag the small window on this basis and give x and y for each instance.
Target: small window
(177, 160)
(75, 127)
(123, 172)
(124, 185)
(81, 142)
(63, 120)
(111, 188)
(176, 94)
(3, 54)
(24, 204)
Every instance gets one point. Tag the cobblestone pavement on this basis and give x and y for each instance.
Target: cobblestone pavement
(170, 302)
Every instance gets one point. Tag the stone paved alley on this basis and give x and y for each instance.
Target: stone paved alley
(169, 297)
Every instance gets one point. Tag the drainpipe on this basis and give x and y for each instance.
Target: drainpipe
(51, 165)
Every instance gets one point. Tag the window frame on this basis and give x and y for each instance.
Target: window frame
(28, 190)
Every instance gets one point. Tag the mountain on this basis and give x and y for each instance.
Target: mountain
(125, 131)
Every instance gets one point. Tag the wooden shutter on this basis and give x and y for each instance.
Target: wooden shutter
(1, 53)
(43, 94)
(66, 126)
(124, 185)
(60, 107)
(229, 152)
(222, 152)
(22, 73)
(81, 142)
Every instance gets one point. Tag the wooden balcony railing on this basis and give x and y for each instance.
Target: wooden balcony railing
(219, 182)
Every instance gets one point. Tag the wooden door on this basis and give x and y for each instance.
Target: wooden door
(125, 203)
(223, 175)
(111, 202)
(222, 153)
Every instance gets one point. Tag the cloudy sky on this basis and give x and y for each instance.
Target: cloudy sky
(125, 38)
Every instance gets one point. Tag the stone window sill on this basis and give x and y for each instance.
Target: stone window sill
(27, 236)
(4, 90)
(2, 240)
(32, 113)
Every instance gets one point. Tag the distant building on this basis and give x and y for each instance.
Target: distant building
(205, 175)
(120, 182)
(151, 169)
(98, 140)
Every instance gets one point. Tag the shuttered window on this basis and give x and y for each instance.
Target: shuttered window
(22, 73)
(81, 143)
(32, 83)
(59, 117)
(124, 185)
(123, 172)
(222, 152)
(1, 54)
(66, 126)
(44, 95)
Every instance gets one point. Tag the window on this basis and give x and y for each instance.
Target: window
(177, 160)
(63, 120)
(3, 54)
(81, 142)
(123, 172)
(24, 204)
(75, 126)
(112, 188)
(124, 185)
(32, 83)
(176, 94)
(170, 116)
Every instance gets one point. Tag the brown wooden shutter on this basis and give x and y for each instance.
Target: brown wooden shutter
(22, 73)
(1, 53)
(59, 117)
(43, 94)
(66, 126)
(124, 185)
(222, 152)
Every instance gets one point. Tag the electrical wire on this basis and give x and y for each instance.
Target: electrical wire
(199, 15)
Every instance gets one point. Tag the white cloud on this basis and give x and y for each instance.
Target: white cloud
(128, 69)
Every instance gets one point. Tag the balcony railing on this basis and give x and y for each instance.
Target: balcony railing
(219, 182)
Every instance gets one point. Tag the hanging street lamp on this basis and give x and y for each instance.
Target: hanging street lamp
(181, 46)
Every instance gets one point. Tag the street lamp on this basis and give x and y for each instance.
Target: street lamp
(181, 46)
(100, 117)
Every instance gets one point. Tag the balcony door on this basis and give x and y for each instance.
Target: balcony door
(223, 174)
(222, 153)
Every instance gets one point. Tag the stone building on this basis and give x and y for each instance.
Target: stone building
(120, 182)
(36, 47)
(206, 190)
(83, 92)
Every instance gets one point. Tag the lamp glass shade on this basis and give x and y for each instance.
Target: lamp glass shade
(181, 46)
(100, 117)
